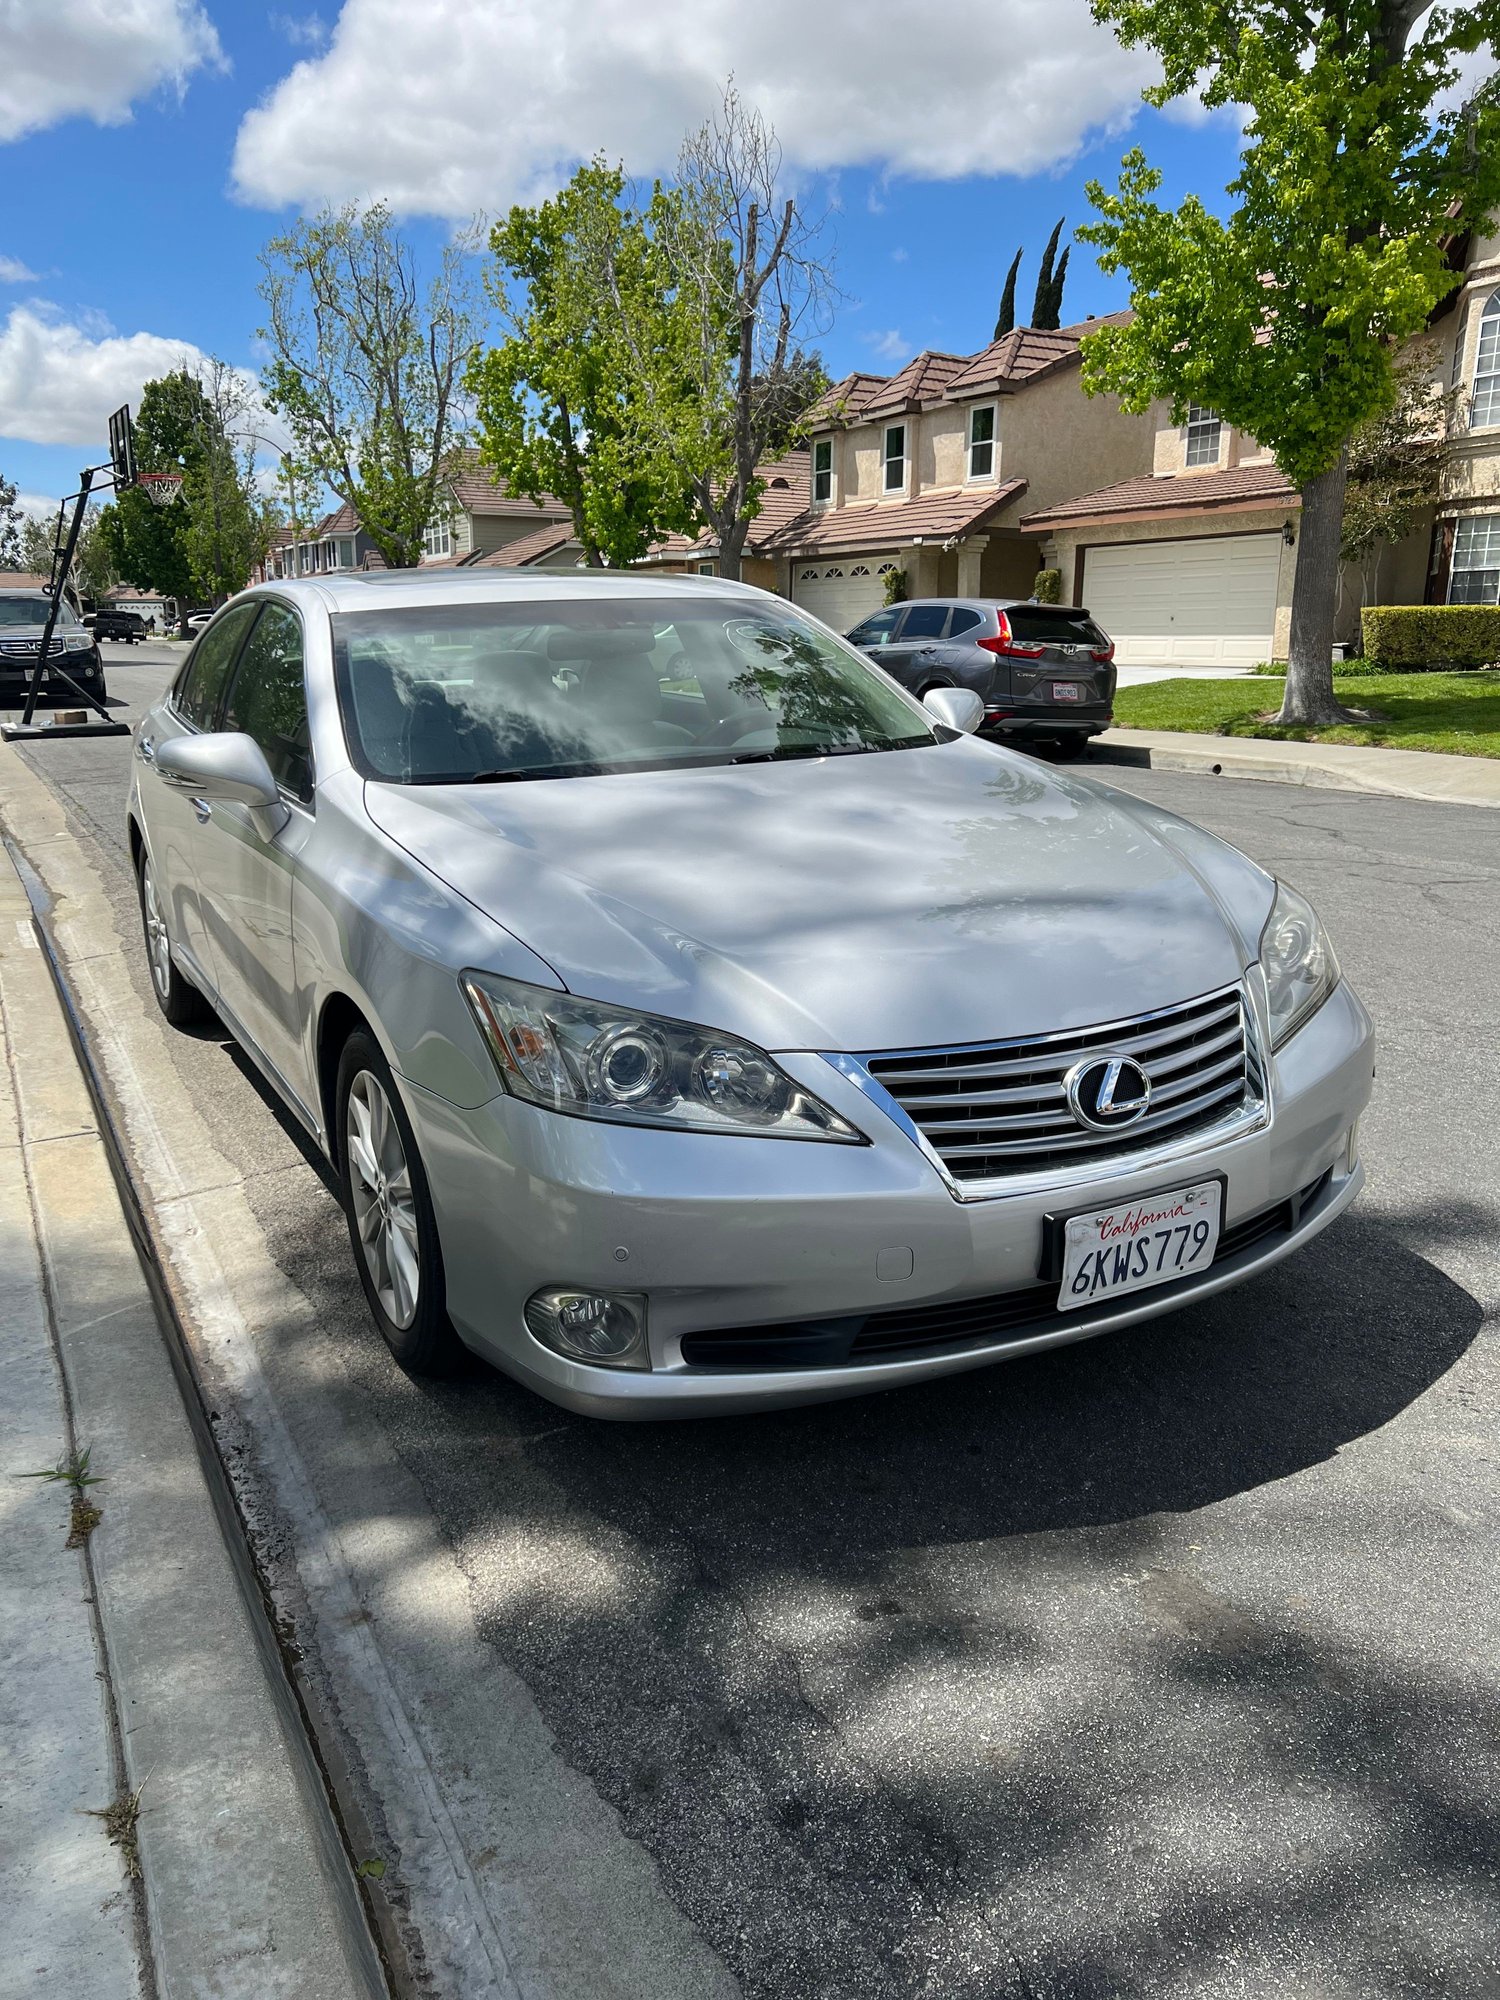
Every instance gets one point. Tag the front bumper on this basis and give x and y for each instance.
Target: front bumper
(725, 1235)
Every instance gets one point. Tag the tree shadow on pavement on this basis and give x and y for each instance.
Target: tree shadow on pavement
(935, 1694)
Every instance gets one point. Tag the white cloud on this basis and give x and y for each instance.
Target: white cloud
(303, 31)
(892, 345)
(451, 107)
(93, 58)
(14, 272)
(41, 504)
(59, 383)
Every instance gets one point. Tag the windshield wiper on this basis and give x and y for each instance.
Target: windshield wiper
(526, 771)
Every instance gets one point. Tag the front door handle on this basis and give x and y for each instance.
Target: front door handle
(145, 749)
(203, 809)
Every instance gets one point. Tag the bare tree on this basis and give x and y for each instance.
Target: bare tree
(365, 369)
(752, 287)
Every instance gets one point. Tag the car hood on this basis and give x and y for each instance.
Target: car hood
(948, 894)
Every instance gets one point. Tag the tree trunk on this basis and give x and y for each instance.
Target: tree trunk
(732, 552)
(1309, 697)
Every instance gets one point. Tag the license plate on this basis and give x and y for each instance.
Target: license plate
(1137, 1244)
(1066, 691)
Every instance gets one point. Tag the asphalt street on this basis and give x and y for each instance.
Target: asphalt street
(1162, 1665)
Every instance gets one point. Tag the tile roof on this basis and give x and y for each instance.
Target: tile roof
(1024, 352)
(22, 579)
(925, 379)
(786, 494)
(1183, 492)
(845, 401)
(935, 517)
(525, 549)
(478, 493)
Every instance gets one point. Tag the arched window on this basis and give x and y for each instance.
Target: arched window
(1485, 406)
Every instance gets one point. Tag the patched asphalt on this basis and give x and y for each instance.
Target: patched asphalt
(1163, 1665)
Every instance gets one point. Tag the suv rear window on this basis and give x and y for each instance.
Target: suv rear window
(1054, 625)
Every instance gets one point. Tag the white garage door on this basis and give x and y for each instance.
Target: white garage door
(841, 593)
(1186, 604)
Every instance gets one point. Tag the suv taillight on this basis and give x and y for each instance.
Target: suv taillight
(1008, 647)
(1105, 654)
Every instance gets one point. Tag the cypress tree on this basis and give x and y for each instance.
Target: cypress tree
(1059, 279)
(1042, 304)
(1007, 318)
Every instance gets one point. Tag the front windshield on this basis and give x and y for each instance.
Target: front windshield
(464, 693)
(33, 611)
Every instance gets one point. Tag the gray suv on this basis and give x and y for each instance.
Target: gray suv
(1043, 671)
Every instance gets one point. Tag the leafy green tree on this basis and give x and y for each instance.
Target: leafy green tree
(229, 520)
(1286, 317)
(145, 544)
(11, 524)
(1005, 319)
(93, 570)
(1049, 282)
(365, 368)
(562, 406)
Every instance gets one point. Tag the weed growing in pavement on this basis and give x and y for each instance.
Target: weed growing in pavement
(120, 1822)
(72, 1470)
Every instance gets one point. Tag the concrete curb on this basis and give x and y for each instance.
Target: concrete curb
(248, 1891)
(1345, 767)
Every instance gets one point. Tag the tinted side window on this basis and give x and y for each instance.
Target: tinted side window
(875, 629)
(964, 621)
(208, 669)
(269, 698)
(925, 621)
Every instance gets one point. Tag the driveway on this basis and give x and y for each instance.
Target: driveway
(1163, 1665)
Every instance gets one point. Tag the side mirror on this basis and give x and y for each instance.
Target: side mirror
(959, 708)
(227, 765)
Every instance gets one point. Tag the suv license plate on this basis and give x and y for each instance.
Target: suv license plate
(1066, 691)
(1139, 1243)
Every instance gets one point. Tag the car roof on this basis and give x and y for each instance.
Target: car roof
(372, 590)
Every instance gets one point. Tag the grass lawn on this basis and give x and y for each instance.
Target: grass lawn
(1459, 713)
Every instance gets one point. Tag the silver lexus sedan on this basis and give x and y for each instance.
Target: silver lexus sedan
(697, 1022)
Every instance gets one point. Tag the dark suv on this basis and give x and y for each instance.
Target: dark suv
(1043, 671)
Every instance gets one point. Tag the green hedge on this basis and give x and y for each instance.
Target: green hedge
(1048, 586)
(1407, 638)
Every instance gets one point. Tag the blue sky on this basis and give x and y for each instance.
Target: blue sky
(233, 118)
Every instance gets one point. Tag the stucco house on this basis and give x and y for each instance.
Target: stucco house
(928, 471)
(1462, 551)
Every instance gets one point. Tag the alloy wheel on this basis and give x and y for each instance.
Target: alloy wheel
(380, 1187)
(158, 945)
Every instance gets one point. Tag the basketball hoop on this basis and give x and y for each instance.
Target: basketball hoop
(160, 488)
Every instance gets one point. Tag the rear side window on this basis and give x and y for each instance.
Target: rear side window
(206, 672)
(963, 620)
(925, 621)
(269, 698)
(1054, 625)
(875, 629)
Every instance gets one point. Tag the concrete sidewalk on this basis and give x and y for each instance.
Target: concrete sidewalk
(131, 1665)
(1346, 767)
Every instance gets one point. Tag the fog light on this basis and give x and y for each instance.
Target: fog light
(605, 1328)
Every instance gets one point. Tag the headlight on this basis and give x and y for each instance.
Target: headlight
(77, 642)
(1297, 959)
(597, 1061)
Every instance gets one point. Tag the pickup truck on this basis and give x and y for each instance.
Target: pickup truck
(109, 623)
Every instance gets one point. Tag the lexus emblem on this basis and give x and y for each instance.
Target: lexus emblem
(1106, 1092)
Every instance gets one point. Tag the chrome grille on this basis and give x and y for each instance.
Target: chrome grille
(1000, 1108)
(27, 649)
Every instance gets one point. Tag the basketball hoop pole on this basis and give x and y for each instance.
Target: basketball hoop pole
(122, 466)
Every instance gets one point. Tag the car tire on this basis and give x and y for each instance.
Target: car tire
(178, 998)
(387, 1205)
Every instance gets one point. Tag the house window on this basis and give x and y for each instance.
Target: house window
(1485, 408)
(438, 541)
(895, 458)
(822, 471)
(1203, 429)
(1475, 577)
(982, 442)
(708, 569)
(346, 554)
